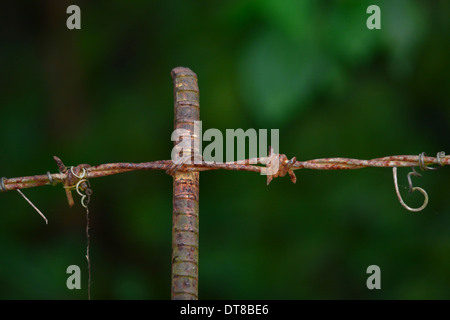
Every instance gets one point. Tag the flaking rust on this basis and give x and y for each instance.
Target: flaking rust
(185, 214)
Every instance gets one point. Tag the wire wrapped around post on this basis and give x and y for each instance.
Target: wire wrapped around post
(185, 219)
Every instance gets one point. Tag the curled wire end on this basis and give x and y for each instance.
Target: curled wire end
(2, 185)
(424, 167)
(412, 173)
(440, 155)
(83, 174)
(85, 197)
(412, 189)
(80, 186)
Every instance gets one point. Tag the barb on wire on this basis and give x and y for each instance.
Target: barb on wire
(278, 165)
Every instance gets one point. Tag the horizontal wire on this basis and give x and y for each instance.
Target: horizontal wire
(251, 165)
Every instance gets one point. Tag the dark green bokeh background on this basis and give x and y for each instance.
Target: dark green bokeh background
(309, 68)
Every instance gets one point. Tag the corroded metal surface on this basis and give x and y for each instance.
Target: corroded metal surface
(241, 165)
(185, 219)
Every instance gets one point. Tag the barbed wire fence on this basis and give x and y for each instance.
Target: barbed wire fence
(185, 215)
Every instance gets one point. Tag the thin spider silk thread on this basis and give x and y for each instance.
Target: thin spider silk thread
(84, 203)
(87, 252)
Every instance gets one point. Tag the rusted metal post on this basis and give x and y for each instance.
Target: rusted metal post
(185, 192)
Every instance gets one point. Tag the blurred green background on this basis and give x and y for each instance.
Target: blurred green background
(309, 68)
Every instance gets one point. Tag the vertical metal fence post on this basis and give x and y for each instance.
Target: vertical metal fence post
(185, 219)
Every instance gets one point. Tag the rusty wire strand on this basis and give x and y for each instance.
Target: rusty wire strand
(76, 178)
(253, 165)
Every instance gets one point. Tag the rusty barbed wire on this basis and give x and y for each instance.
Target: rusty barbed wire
(253, 165)
(275, 165)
